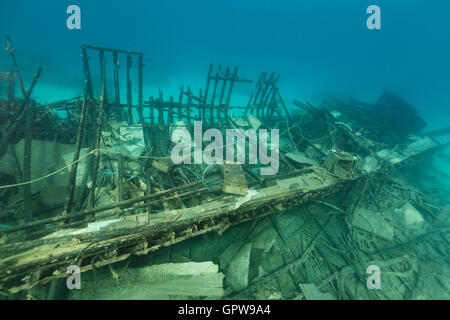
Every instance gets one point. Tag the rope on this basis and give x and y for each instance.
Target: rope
(48, 175)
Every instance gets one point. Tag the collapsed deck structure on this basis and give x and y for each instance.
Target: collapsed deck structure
(98, 186)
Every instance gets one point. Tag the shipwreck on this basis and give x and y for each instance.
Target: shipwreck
(89, 181)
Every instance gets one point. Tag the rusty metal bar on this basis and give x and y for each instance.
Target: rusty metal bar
(87, 72)
(151, 105)
(117, 86)
(269, 95)
(160, 108)
(101, 56)
(284, 106)
(201, 110)
(208, 80)
(141, 88)
(180, 101)
(254, 94)
(76, 156)
(230, 89)
(11, 51)
(222, 92)
(189, 103)
(129, 94)
(19, 116)
(267, 84)
(99, 129)
(170, 111)
(213, 97)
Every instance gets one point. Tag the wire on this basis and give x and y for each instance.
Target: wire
(204, 172)
(69, 165)
(48, 175)
(198, 177)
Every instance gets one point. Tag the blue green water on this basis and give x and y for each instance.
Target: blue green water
(319, 47)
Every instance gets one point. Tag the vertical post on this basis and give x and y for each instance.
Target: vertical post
(140, 97)
(267, 83)
(255, 93)
(160, 109)
(201, 110)
(270, 90)
(170, 112)
(76, 156)
(230, 89)
(117, 85)
(205, 97)
(272, 103)
(222, 92)
(189, 103)
(101, 56)
(87, 72)
(260, 87)
(213, 98)
(284, 106)
(27, 164)
(160, 113)
(151, 105)
(270, 95)
(180, 102)
(99, 129)
(141, 86)
(129, 97)
(11, 51)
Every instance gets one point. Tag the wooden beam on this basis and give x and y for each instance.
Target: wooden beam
(230, 89)
(116, 83)
(129, 93)
(87, 72)
(99, 130)
(213, 97)
(76, 156)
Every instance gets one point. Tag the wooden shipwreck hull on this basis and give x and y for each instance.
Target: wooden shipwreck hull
(109, 241)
